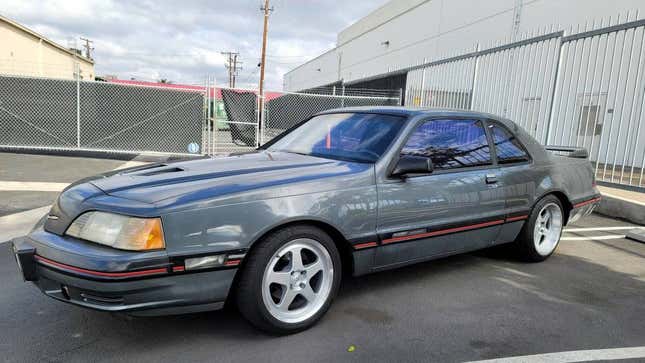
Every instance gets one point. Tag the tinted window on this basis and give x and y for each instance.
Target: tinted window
(507, 147)
(347, 136)
(450, 143)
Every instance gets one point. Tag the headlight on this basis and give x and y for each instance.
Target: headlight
(114, 230)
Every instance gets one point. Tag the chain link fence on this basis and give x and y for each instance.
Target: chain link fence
(138, 117)
(46, 113)
(582, 88)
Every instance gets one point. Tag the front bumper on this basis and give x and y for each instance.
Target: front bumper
(151, 291)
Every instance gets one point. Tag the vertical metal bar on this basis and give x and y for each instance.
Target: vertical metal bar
(640, 118)
(584, 85)
(470, 100)
(573, 121)
(595, 122)
(545, 78)
(613, 104)
(494, 79)
(623, 105)
(517, 81)
(526, 104)
(631, 108)
(571, 89)
(78, 105)
(559, 70)
(533, 94)
(423, 85)
(490, 83)
(604, 123)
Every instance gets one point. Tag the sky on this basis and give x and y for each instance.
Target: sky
(181, 41)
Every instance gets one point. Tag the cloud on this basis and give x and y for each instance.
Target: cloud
(182, 41)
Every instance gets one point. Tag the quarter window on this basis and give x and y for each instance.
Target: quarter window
(507, 146)
(450, 143)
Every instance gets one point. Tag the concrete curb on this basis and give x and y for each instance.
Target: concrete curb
(617, 207)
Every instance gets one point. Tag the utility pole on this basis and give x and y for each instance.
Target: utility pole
(232, 66)
(88, 47)
(266, 10)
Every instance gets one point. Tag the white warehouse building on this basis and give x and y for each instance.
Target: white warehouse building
(571, 72)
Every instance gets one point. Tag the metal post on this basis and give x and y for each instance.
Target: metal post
(473, 85)
(78, 105)
(554, 91)
(422, 91)
(209, 130)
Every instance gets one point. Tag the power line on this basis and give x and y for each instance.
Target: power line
(231, 65)
(88, 47)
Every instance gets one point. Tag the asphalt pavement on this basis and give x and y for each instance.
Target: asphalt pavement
(590, 295)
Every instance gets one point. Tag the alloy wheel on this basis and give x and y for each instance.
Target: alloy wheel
(548, 228)
(297, 280)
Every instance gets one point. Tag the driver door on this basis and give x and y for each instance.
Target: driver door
(456, 208)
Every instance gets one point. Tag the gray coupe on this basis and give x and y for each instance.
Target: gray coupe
(355, 190)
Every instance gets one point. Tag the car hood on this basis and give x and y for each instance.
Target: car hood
(208, 178)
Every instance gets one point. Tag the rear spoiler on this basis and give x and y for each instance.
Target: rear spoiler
(574, 152)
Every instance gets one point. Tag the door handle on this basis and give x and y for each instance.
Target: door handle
(491, 178)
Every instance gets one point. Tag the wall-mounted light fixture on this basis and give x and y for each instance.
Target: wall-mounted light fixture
(386, 43)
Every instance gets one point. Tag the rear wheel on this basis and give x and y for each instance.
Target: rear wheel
(289, 280)
(541, 232)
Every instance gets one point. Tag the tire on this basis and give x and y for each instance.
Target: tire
(540, 236)
(282, 294)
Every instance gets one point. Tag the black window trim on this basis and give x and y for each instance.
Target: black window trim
(397, 155)
(493, 146)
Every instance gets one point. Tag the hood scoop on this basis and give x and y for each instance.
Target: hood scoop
(157, 171)
(153, 170)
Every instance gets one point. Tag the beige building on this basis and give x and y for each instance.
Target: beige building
(26, 53)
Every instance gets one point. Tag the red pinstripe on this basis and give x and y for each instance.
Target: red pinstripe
(63, 266)
(365, 245)
(443, 231)
(582, 204)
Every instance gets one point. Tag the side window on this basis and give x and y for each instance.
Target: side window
(450, 143)
(507, 146)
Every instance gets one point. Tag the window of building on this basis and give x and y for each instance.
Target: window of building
(450, 143)
(588, 122)
(507, 147)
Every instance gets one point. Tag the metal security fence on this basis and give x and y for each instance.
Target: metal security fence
(38, 112)
(574, 88)
(71, 115)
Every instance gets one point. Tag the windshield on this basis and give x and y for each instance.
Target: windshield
(359, 137)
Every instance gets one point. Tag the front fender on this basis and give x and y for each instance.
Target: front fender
(237, 226)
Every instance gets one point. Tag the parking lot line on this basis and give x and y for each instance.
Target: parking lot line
(574, 356)
(599, 238)
(601, 228)
(19, 224)
(20, 186)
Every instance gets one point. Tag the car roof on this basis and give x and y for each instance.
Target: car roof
(410, 111)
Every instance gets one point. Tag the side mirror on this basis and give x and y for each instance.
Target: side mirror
(410, 164)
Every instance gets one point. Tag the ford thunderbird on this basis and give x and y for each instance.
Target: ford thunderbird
(353, 190)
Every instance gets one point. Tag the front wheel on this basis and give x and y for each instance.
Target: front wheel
(541, 232)
(289, 280)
